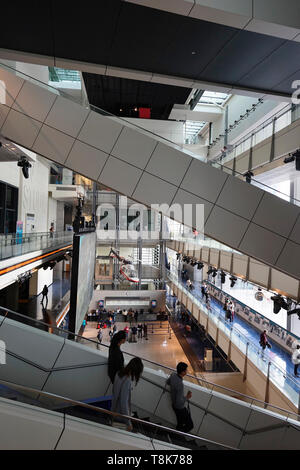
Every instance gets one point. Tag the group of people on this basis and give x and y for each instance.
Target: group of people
(124, 377)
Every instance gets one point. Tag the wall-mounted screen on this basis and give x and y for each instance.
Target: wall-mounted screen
(82, 281)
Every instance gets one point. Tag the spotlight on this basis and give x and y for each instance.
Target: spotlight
(279, 303)
(177, 256)
(200, 265)
(214, 273)
(233, 280)
(25, 165)
(210, 270)
(223, 277)
(289, 159)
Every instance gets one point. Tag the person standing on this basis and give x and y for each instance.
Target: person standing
(115, 355)
(51, 230)
(134, 333)
(99, 337)
(121, 402)
(45, 294)
(175, 381)
(136, 316)
(140, 331)
(296, 359)
(145, 331)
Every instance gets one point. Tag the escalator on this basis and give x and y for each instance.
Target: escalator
(52, 369)
(145, 434)
(149, 169)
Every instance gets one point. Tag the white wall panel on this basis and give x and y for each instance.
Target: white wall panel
(10, 86)
(225, 260)
(113, 176)
(262, 244)
(54, 144)
(259, 272)
(289, 259)
(24, 427)
(226, 226)
(285, 283)
(100, 132)
(153, 190)
(67, 116)
(86, 160)
(240, 263)
(34, 101)
(21, 129)
(168, 164)
(134, 148)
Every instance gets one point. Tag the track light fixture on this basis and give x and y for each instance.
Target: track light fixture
(223, 277)
(25, 165)
(233, 280)
(200, 265)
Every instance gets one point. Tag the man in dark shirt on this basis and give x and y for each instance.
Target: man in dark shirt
(184, 420)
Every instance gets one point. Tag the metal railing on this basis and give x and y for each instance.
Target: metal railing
(279, 377)
(19, 244)
(142, 130)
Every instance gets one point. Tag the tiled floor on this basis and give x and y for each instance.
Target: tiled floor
(158, 348)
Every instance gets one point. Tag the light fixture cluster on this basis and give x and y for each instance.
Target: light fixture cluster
(231, 127)
(189, 260)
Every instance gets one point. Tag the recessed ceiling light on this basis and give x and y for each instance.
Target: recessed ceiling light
(194, 52)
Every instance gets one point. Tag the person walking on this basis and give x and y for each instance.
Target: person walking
(134, 333)
(121, 402)
(115, 355)
(145, 331)
(263, 341)
(296, 359)
(175, 381)
(140, 331)
(45, 294)
(99, 337)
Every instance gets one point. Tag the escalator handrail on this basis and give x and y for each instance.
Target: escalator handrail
(112, 413)
(210, 384)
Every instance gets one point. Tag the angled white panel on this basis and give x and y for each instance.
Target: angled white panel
(230, 13)
(272, 11)
(183, 197)
(53, 144)
(240, 264)
(77, 354)
(225, 226)
(225, 260)
(120, 176)
(67, 116)
(289, 259)
(100, 132)
(258, 272)
(152, 190)
(204, 181)
(18, 371)
(240, 198)
(10, 85)
(79, 384)
(276, 214)
(83, 435)
(21, 129)
(25, 427)
(233, 412)
(285, 283)
(262, 244)
(291, 437)
(168, 164)
(134, 147)
(34, 101)
(215, 429)
(86, 160)
(262, 435)
(25, 341)
(295, 234)
(4, 110)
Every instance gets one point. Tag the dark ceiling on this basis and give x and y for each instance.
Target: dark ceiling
(121, 97)
(122, 34)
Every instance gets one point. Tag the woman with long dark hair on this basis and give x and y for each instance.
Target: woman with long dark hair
(115, 355)
(121, 402)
